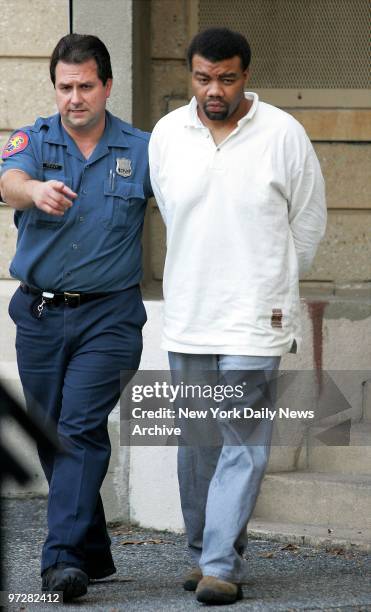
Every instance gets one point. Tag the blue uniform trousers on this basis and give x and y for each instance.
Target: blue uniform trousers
(69, 362)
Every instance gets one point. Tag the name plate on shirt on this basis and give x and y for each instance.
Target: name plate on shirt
(52, 166)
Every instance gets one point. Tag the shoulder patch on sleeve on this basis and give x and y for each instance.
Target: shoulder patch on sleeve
(16, 143)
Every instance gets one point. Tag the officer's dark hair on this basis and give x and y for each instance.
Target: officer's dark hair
(217, 44)
(80, 48)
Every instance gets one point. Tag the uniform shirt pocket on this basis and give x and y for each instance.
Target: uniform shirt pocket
(118, 200)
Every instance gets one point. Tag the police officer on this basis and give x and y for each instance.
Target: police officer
(79, 183)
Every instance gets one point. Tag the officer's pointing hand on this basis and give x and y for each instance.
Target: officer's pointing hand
(53, 197)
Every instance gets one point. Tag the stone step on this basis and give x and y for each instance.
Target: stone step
(341, 459)
(360, 435)
(366, 407)
(303, 534)
(316, 498)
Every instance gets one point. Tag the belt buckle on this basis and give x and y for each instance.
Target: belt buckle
(71, 299)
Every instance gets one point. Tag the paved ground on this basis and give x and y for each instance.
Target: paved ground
(151, 565)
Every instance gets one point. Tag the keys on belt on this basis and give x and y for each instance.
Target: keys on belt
(69, 298)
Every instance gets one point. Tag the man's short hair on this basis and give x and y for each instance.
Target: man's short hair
(80, 48)
(217, 44)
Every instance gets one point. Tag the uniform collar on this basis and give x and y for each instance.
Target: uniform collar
(193, 120)
(55, 133)
(113, 136)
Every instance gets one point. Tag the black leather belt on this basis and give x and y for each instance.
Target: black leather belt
(70, 298)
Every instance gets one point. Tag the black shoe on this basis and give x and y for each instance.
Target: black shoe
(71, 581)
(97, 573)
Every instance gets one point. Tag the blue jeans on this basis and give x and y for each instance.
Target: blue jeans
(219, 485)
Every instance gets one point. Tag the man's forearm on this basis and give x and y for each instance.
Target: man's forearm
(20, 191)
(17, 189)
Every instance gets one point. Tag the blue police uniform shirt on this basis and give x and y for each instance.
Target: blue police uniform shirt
(96, 245)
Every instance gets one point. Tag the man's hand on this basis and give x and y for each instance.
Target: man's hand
(53, 197)
(21, 191)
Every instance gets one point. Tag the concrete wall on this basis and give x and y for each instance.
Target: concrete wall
(111, 21)
(29, 30)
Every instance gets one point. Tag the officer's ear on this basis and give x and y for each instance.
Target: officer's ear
(108, 87)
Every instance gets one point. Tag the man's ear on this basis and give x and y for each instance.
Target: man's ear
(246, 74)
(108, 87)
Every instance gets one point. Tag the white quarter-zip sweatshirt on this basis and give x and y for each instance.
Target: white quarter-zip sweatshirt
(243, 219)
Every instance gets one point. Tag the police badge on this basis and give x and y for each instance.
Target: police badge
(123, 166)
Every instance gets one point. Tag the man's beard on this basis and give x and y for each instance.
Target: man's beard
(216, 116)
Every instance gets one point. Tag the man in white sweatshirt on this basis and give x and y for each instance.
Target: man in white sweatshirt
(242, 195)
